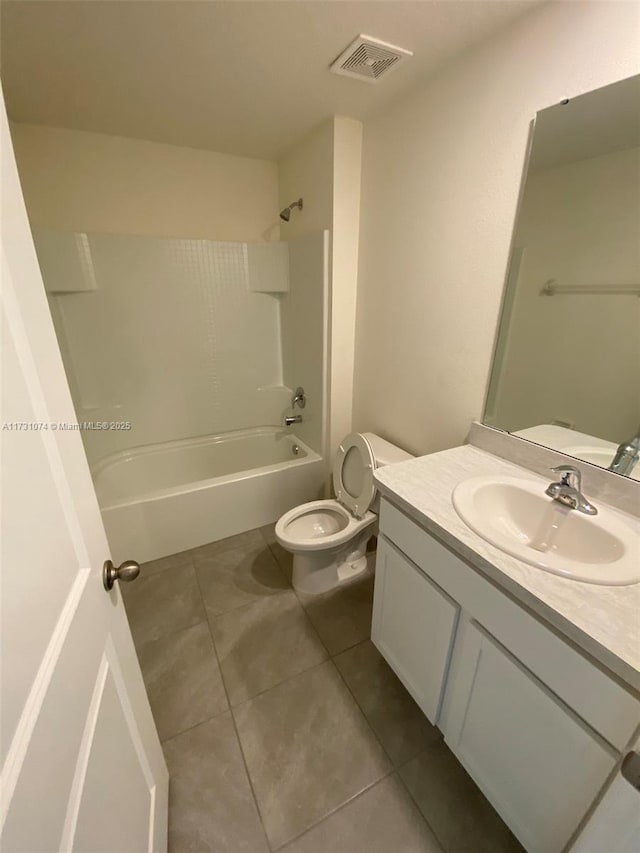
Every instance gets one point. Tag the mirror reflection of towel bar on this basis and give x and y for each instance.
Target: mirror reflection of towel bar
(551, 289)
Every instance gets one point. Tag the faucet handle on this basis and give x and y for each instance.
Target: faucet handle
(299, 398)
(569, 471)
(569, 490)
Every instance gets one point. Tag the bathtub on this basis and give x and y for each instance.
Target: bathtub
(170, 497)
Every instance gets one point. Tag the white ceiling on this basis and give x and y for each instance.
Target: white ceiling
(247, 78)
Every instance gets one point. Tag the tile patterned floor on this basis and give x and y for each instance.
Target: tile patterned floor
(282, 726)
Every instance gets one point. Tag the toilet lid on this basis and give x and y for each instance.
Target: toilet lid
(353, 469)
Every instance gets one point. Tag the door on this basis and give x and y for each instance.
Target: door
(82, 767)
(614, 825)
(414, 624)
(535, 760)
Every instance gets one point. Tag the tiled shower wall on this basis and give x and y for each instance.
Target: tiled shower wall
(173, 341)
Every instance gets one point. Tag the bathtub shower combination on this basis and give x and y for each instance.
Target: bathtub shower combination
(162, 499)
(203, 367)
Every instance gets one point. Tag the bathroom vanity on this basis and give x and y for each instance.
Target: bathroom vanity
(532, 678)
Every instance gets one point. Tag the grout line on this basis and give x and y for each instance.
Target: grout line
(195, 726)
(280, 683)
(332, 655)
(130, 619)
(335, 810)
(273, 554)
(189, 553)
(281, 591)
(394, 770)
(417, 755)
(417, 804)
(212, 616)
(209, 618)
(362, 711)
(396, 765)
(206, 564)
(187, 563)
(232, 709)
(349, 648)
(300, 602)
(140, 647)
(235, 728)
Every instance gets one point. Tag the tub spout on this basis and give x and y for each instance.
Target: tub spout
(292, 419)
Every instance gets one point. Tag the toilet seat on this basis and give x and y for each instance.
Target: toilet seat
(328, 538)
(307, 534)
(329, 524)
(353, 468)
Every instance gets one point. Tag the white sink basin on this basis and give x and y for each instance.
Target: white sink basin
(516, 516)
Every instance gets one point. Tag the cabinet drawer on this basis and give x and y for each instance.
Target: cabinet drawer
(413, 627)
(538, 764)
(599, 700)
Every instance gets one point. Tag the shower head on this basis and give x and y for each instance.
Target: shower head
(286, 213)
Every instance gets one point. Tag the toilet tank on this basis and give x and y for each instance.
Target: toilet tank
(384, 452)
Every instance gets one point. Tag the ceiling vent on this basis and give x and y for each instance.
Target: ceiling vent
(369, 59)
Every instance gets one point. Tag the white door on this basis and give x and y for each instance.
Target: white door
(614, 826)
(82, 767)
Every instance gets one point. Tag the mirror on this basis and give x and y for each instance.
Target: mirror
(566, 366)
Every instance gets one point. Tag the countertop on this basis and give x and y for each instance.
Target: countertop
(604, 621)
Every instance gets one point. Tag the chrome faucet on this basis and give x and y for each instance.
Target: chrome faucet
(292, 419)
(299, 398)
(568, 491)
(627, 456)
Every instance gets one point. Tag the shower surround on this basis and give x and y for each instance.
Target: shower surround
(196, 344)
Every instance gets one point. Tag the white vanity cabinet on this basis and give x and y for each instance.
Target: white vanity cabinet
(414, 624)
(537, 724)
(536, 761)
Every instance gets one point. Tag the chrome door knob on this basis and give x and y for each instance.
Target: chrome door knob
(631, 769)
(127, 571)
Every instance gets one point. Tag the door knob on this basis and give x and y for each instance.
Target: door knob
(631, 769)
(127, 571)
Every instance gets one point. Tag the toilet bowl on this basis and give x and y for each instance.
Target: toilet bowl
(328, 538)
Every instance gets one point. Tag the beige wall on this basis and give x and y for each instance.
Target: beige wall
(302, 317)
(347, 170)
(307, 171)
(441, 175)
(325, 169)
(77, 181)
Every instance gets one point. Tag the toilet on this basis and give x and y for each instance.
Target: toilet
(328, 538)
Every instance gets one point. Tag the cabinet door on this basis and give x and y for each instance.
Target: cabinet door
(538, 764)
(615, 824)
(413, 626)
